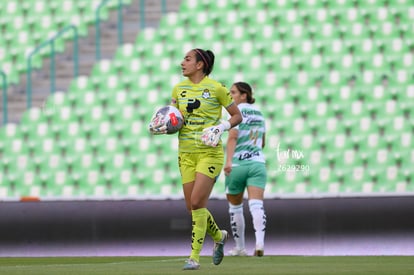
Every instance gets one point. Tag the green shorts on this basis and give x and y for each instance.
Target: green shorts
(252, 174)
(208, 163)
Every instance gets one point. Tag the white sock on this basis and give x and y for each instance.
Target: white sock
(237, 224)
(259, 222)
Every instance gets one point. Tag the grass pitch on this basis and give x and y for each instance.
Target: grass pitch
(231, 265)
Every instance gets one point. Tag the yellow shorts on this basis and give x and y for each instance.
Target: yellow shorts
(208, 163)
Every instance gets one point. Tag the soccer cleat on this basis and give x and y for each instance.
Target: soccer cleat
(191, 264)
(237, 252)
(258, 253)
(218, 251)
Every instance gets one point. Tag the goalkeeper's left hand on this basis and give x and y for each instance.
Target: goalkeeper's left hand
(211, 135)
(157, 125)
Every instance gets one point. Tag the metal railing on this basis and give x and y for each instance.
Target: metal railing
(119, 22)
(142, 11)
(98, 28)
(4, 87)
(51, 43)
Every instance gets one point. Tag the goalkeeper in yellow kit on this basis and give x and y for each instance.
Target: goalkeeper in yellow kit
(201, 156)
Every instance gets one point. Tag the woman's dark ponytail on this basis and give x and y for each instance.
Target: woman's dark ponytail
(245, 88)
(207, 57)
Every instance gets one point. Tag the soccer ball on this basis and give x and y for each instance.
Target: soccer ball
(172, 118)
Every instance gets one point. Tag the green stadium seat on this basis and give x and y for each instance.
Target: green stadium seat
(30, 120)
(90, 8)
(407, 158)
(125, 184)
(39, 7)
(28, 189)
(80, 84)
(41, 146)
(75, 146)
(124, 56)
(92, 183)
(52, 162)
(290, 183)
(3, 6)
(27, 183)
(129, 68)
(178, 34)
(380, 158)
(6, 191)
(141, 83)
(55, 104)
(102, 70)
(62, 191)
(383, 174)
(21, 161)
(86, 100)
(322, 181)
(13, 8)
(156, 184)
(91, 115)
(397, 187)
(132, 129)
(9, 132)
(405, 141)
(46, 28)
(189, 7)
(373, 141)
(12, 148)
(252, 5)
(147, 36)
(281, 5)
(356, 181)
(16, 165)
(15, 146)
(151, 159)
(112, 162)
(109, 84)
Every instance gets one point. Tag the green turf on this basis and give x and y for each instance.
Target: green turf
(388, 265)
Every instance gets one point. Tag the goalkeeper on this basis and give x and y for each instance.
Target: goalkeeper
(201, 156)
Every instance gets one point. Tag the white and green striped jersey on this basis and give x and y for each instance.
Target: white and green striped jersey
(250, 138)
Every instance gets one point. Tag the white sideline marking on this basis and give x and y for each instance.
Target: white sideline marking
(85, 264)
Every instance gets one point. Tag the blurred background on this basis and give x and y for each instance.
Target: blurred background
(81, 79)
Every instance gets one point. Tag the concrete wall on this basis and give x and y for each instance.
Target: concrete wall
(299, 224)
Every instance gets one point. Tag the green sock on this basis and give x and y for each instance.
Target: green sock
(212, 228)
(199, 217)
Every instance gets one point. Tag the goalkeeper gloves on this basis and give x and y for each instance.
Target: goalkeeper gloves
(157, 125)
(211, 135)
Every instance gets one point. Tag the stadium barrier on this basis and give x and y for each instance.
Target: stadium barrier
(330, 226)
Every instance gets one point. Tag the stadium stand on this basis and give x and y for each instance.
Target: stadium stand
(26, 24)
(334, 78)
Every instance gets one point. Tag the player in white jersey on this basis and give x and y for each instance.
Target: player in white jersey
(245, 170)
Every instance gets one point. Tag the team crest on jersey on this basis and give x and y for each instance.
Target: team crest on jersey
(206, 93)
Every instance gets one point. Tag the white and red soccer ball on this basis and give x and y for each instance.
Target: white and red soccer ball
(172, 117)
